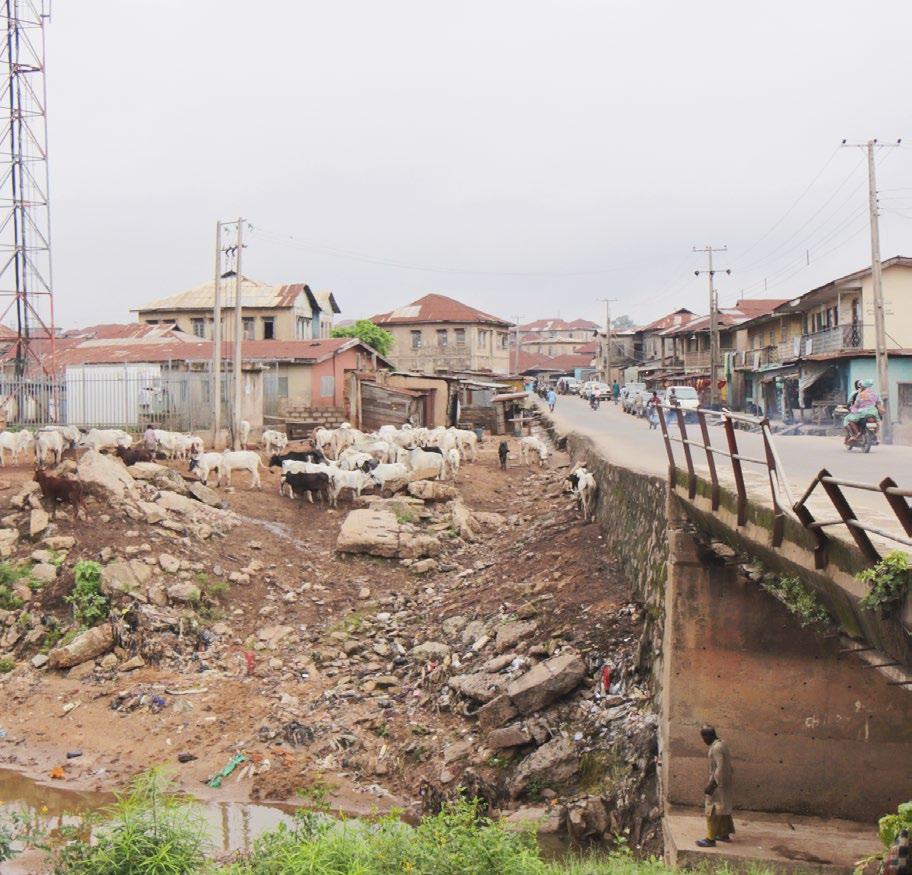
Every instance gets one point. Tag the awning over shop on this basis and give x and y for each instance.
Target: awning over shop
(780, 374)
(811, 372)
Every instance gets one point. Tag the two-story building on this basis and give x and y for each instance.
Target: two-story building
(555, 336)
(437, 333)
(286, 312)
(804, 356)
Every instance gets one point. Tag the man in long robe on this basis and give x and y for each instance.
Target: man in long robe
(718, 803)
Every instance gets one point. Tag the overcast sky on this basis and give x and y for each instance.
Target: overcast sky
(537, 155)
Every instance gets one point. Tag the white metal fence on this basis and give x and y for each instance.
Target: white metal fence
(113, 396)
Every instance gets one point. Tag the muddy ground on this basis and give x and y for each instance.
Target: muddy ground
(303, 663)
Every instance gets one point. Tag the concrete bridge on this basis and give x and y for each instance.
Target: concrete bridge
(818, 715)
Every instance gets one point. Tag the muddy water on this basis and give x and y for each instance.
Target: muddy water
(233, 826)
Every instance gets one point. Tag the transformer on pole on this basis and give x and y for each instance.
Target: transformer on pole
(26, 285)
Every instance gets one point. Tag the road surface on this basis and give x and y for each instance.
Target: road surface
(627, 440)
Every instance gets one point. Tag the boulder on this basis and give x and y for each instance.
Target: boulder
(480, 686)
(375, 532)
(271, 636)
(8, 539)
(495, 713)
(431, 650)
(552, 763)
(127, 576)
(44, 572)
(511, 634)
(89, 645)
(60, 542)
(184, 592)
(38, 522)
(168, 563)
(462, 522)
(21, 499)
(432, 490)
(543, 819)
(422, 474)
(39, 660)
(514, 735)
(104, 477)
(203, 493)
(547, 681)
(148, 471)
(151, 512)
(415, 545)
(424, 566)
(588, 818)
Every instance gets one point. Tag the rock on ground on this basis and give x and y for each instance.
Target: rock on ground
(89, 645)
(551, 764)
(377, 532)
(432, 490)
(104, 477)
(38, 522)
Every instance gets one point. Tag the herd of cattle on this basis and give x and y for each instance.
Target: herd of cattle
(339, 459)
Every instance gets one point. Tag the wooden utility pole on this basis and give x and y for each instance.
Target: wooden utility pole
(881, 359)
(714, 352)
(217, 341)
(238, 331)
(607, 352)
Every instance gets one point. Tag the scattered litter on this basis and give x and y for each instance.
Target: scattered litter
(186, 757)
(57, 773)
(73, 754)
(216, 780)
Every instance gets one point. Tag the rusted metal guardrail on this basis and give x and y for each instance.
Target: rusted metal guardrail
(896, 498)
(780, 493)
(779, 489)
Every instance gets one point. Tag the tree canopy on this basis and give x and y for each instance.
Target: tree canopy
(365, 330)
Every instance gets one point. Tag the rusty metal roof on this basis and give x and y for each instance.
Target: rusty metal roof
(254, 295)
(437, 308)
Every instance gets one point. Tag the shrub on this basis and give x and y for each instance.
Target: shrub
(890, 826)
(18, 828)
(888, 581)
(373, 335)
(799, 600)
(89, 605)
(151, 830)
(7, 664)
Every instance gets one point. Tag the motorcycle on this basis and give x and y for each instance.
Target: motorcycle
(594, 402)
(866, 435)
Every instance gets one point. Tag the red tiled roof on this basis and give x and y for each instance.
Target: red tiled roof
(530, 360)
(752, 307)
(558, 324)
(436, 308)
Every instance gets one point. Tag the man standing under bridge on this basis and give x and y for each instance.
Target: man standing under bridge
(718, 805)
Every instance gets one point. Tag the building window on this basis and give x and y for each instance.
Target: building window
(483, 338)
(302, 328)
(504, 340)
(249, 328)
(327, 386)
(772, 336)
(443, 337)
(416, 340)
(268, 328)
(199, 327)
(460, 336)
(151, 321)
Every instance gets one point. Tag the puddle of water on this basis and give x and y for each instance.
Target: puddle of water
(233, 826)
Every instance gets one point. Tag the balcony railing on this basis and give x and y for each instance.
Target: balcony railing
(833, 339)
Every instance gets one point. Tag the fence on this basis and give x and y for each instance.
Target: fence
(113, 396)
(780, 493)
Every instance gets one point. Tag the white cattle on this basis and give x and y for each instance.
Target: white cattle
(383, 474)
(586, 488)
(240, 460)
(49, 442)
(322, 437)
(204, 464)
(16, 442)
(273, 441)
(344, 436)
(421, 460)
(453, 461)
(467, 442)
(531, 446)
(106, 439)
(351, 459)
(244, 433)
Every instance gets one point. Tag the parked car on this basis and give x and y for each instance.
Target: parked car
(604, 389)
(571, 385)
(642, 400)
(686, 396)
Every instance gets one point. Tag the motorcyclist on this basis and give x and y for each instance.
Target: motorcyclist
(596, 396)
(865, 402)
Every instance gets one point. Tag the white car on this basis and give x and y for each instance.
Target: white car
(685, 396)
(629, 394)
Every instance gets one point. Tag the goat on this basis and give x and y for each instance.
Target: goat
(240, 460)
(244, 433)
(383, 474)
(453, 461)
(273, 441)
(315, 456)
(586, 488)
(59, 489)
(132, 456)
(354, 480)
(422, 460)
(204, 464)
(529, 445)
(16, 442)
(307, 483)
(106, 439)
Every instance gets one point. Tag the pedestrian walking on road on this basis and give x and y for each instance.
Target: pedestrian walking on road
(652, 410)
(551, 398)
(718, 803)
(615, 391)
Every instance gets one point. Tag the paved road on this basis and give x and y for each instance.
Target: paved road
(627, 440)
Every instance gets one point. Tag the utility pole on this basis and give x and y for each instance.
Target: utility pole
(238, 325)
(880, 332)
(714, 353)
(607, 352)
(516, 339)
(217, 341)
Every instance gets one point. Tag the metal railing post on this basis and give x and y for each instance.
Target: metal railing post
(844, 509)
(898, 504)
(691, 473)
(672, 468)
(710, 459)
(772, 471)
(729, 427)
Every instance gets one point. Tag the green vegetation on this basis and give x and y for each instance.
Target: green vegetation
(7, 664)
(150, 831)
(799, 600)
(17, 828)
(89, 605)
(889, 582)
(373, 335)
(405, 515)
(890, 826)
(10, 575)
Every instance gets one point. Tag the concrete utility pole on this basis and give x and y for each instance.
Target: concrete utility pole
(238, 326)
(217, 341)
(607, 356)
(714, 353)
(880, 332)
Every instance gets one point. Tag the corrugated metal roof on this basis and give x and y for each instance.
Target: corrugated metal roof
(254, 294)
(437, 308)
